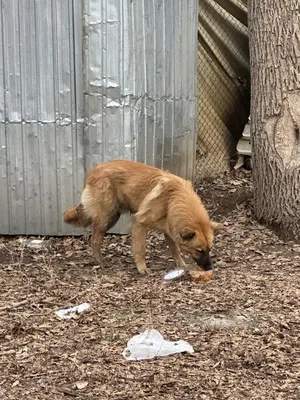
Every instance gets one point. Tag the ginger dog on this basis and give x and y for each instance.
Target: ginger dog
(157, 199)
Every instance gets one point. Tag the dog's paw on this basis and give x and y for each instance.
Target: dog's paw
(98, 258)
(144, 270)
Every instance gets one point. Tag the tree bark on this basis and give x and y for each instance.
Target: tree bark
(274, 30)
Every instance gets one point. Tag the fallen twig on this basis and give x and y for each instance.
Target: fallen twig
(14, 305)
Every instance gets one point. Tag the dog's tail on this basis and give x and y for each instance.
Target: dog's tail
(76, 215)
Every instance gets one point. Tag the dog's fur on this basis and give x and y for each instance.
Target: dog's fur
(156, 198)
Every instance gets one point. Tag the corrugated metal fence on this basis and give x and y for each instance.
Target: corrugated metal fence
(85, 82)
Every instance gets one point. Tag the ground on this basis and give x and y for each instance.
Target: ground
(243, 325)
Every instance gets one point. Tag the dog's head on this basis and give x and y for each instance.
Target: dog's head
(197, 241)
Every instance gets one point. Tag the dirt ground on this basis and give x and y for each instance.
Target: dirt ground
(243, 325)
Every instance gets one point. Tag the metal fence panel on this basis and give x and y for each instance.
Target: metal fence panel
(85, 82)
(140, 83)
(41, 125)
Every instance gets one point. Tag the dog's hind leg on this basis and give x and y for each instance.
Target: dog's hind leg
(97, 238)
(100, 227)
(175, 251)
(139, 236)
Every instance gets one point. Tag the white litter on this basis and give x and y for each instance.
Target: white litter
(81, 385)
(36, 243)
(69, 313)
(176, 273)
(151, 344)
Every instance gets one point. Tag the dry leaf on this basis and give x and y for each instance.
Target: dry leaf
(107, 285)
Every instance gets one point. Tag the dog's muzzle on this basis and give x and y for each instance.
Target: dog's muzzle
(204, 261)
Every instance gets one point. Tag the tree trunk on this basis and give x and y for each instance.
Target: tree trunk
(274, 28)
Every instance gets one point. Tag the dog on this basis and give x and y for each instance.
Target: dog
(157, 199)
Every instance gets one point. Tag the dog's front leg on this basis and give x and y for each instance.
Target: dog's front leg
(175, 251)
(139, 236)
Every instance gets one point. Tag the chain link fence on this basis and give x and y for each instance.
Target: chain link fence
(223, 83)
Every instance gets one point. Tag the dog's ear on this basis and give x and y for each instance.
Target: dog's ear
(187, 233)
(217, 226)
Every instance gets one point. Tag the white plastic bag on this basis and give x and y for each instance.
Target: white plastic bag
(151, 344)
(69, 313)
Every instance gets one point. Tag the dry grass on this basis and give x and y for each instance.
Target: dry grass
(243, 325)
